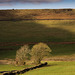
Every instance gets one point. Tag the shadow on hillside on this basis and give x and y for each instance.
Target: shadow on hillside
(31, 31)
(36, 32)
(40, 33)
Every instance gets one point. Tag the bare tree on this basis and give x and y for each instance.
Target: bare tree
(22, 55)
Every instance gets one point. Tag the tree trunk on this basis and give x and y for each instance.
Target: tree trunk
(37, 61)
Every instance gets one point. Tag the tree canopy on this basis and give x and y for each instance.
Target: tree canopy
(39, 51)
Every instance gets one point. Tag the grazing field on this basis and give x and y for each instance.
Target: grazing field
(57, 50)
(37, 31)
(12, 67)
(56, 27)
(13, 33)
(53, 68)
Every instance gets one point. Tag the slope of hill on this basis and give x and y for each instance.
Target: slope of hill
(14, 34)
(37, 14)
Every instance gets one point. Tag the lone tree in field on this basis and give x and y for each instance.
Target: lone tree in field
(22, 55)
(39, 51)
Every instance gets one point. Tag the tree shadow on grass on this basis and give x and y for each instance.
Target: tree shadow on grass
(50, 65)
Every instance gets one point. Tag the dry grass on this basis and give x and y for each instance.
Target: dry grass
(37, 14)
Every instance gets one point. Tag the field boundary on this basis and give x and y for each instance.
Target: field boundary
(30, 43)
(34, 19)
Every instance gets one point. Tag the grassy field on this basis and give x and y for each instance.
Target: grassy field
(37, 31)
(18, 31)
(57, 50)
(12, 67)
(53, 68)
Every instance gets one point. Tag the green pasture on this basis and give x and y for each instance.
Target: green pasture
(53, 68)
(13, 67)
(37, 31)
(57, 50)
